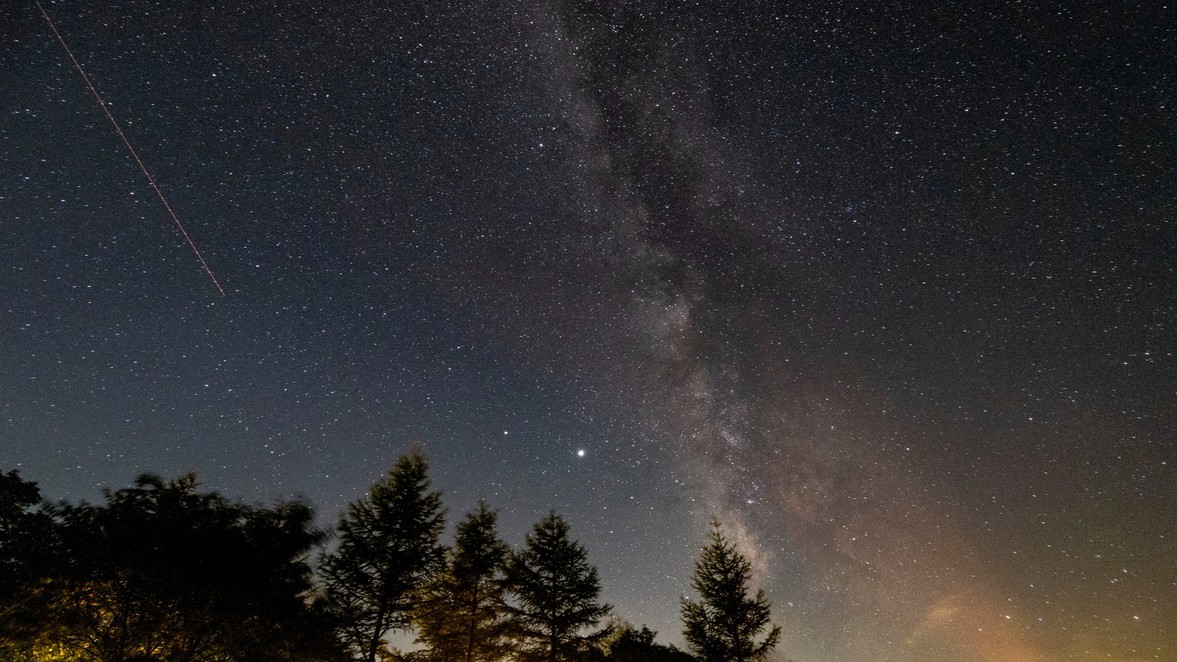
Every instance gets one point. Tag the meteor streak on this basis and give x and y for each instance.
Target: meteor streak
(134, 154)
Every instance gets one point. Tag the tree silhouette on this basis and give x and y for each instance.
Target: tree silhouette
(724, 624)
(162, 571)
(166, 572)
(388, 548)
(28, 550)
(556, 595)
(631, 645)
(462, 616)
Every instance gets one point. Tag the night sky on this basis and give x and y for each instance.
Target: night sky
(889, 289)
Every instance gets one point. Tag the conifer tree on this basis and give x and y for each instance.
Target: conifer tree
(556, 595)
(388, 548)
(462, 616)
(724, 624)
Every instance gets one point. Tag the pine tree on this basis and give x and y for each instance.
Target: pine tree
(724, 624)
(556, 595)
(462, 617)
(388, 548)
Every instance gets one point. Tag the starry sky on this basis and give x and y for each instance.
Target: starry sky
(887, 288)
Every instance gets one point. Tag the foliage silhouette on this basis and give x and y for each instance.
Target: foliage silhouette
(388, 549)
(162, 571)
(627, 644)
(165, 572)
(462, 614)
(724, 624)
(556, 596)
(28, 550)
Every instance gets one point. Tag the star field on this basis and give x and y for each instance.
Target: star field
(888, 290)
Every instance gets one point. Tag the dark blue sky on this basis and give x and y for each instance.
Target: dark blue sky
(888, 290)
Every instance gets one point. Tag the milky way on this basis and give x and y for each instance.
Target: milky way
(887, 291)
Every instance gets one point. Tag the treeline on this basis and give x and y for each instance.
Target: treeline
(165, 572)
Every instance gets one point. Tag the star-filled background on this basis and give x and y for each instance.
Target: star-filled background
(889, 289)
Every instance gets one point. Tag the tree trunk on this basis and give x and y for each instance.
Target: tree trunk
(473, 623)
(374, 642)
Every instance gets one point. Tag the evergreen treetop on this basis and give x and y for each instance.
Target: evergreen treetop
(388, 548)
(556, 594)
(462, 614)
(723, 625)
